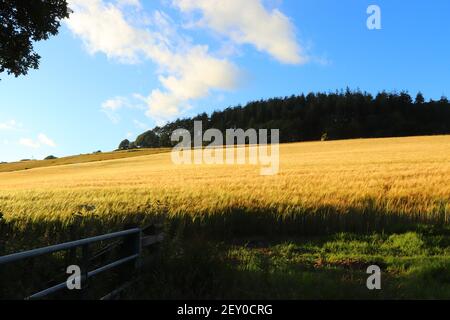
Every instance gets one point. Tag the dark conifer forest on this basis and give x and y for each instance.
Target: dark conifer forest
(321, 116)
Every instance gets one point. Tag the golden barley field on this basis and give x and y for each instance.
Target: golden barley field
(352, 185)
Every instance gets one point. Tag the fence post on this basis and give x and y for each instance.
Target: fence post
(71, 254)
(131, 245)
(84, 271)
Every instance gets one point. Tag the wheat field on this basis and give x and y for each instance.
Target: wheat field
(352, 185)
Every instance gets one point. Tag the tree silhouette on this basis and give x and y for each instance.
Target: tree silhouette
(322, 116)
(419, 98)
(124, 145)
(23, 22)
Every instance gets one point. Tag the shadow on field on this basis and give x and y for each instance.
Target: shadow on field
(325, 220)
(196, 269)
(205, 256)
(21, 234)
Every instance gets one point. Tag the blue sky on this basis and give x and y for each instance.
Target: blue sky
(120, 67)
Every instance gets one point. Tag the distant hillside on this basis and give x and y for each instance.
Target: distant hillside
(82, 158)
(327, 116)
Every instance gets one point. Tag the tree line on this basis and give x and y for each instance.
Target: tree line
(319, 116)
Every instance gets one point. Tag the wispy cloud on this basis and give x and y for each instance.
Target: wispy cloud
(131, 3)
(111, 106)
(114, 104)
(42, 140)
(11, 125)
(30, 143)
(140, 125)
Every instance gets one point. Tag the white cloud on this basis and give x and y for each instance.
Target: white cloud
(11, 125)
(195, 74)
(111, 106)
(249, 22)
(114, 104)
(30, 143)
(103, 28)
(42, 140)
(123, 31)
(187, 71)
(131, 3)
